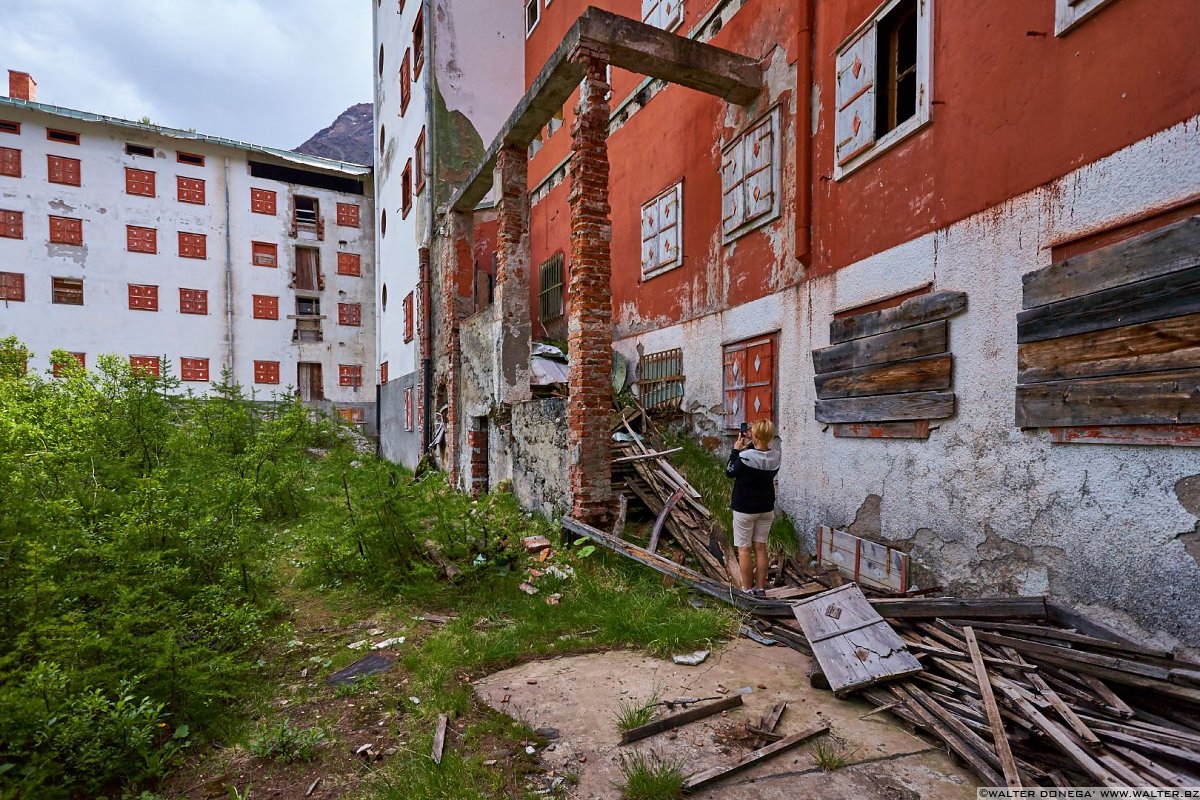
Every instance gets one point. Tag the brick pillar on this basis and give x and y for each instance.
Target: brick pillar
(512, 276)
(457, 273)
(589, 327)
(477, 443)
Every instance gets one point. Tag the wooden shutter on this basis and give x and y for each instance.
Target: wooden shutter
(193, 301)
(190, 190)
(143, 297)
(350, 374)
(854, 125)
(732, 172)
(408, 408)
(670, 14)
(12, 224)
(144, 365)
(266, 372)
(347, 215)
(266, 306)
(262, 201)
(66, 230)
(12, 286)
(669, 253)
(349, 264)
(760, 381)
(141, 240)
(193, 369)
(735, 386)
(10, 162)
(193, 245)
(383, 372)
(759, 158)
(650, 237)
(139, 182)
(408, 317)
(60, 169)
(350, 313)
(264, 254)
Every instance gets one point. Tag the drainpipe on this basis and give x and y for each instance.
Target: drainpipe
(431, 191)
(804, 123)
(228, 278)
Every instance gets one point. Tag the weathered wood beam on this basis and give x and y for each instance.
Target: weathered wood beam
(682, 718)
(1147, 347)
(926, 374)
(923, 340)
(914, 311)
(982, 608)
(1152, 398)
(706, 777)
(885, 407)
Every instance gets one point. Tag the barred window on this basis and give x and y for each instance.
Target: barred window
(551, 295)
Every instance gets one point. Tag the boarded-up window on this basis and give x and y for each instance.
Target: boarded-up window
(383, 372)
(262, 201)
(1111, 337)
(750, 178)
(193, 369)
(60, 169)
(144, 365)
(305, 210)
(266, 306)
(353, 416)
(750, 380)
(193, 301)
(141, 240)
(405, 81)
(66, 230)
(347, 215)
(266, 372)
(12, 286)
(349, 264)
(660, 380)
(143, 297)
(139, 182)
(665, 14)
(551, 294)
(189, 190)
(66, 291)
(307, 275)
(264, 254)
(349, 313)
(662, 232)
(309, 382)
(193, 245)
(350, 374)
(10, 162)
(12, 225)
(58, 369)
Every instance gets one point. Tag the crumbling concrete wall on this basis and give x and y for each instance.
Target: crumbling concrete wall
(539, 456)
(982, 506)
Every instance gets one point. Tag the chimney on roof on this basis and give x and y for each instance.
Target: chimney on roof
(21, 86)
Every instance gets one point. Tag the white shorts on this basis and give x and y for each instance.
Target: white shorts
(751, 527)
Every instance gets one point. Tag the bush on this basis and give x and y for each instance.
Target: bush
(284, 743)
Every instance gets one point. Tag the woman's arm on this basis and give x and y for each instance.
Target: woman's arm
(735, 465)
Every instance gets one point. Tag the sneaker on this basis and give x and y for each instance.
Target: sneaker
(762, 593)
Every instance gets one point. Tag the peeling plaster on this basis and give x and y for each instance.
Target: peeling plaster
(76, 253)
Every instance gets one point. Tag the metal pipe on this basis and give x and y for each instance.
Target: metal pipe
(229, 356)
(431, 191)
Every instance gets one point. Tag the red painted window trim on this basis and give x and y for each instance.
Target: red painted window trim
(12, 224)
(56, 287)
(383, 372)
(140, 182)
(189, 190)
(179, 158)
(139, 239)
(193, 301)
(65, 137)
(349, 264)
(418, 44)
(12, 286)
(143, 297)
(350, 314)
(408, 317)
(266, 372)
(80, 359)
(70, 171)
(193, 245)
(146, 364)
(193, 369)
(265, 306)
(10, 126)
(66, 230)
(350, 375)
(419, 159)
(405, 81)
(406, 193)
(263, 201)
(262, 252)
(10, 162)
(347, 215)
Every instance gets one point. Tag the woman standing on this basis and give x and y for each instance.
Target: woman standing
(753, 466)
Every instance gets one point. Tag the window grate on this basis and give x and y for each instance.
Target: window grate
(660, 380)
(551, 296)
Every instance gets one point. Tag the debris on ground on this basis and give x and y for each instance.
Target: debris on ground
(691, 659)
(367, 665)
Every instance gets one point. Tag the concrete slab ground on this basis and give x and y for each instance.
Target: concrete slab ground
(579, 696)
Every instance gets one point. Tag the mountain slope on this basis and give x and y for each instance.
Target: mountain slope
(349, 138)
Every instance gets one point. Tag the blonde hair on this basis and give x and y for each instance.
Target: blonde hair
(763, 432)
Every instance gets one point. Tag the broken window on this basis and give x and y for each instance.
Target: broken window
(189, 190)
(189, 158)
(406, 190)
(418, 44)
(144, 365)
(350, 375)
(408, 317)
(264, 254)
(193, 245)
(132, 149)
(551, 295)
(8, 126)
(10, 162)
(265, 306)
(60, 169)
(66, 291)
(65, 137)
(266, 372)
(349, 264)
(419, 159)
(662, 237)
(12, 286)
(66, 230)
(12, 224)
(533, 15)
(882, 83)
(143, 297)
(750, 178)
(308, 307)
(141, 240)
(139, 182)
(350, 314)
(308, 381)
(306, 215)
(262, 201)
(193, 369)
(193, 301)
(660, 380)
(347, 215)
(665, 14)
(749, 381)
(307, 276)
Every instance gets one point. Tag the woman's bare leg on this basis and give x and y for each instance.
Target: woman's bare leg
(760, 566)
(745, 567)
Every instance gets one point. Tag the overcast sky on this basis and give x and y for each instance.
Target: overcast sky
(269, 72)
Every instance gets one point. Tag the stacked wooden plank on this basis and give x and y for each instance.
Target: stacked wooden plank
(887, 373)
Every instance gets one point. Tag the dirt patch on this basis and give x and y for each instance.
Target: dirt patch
(578, 697)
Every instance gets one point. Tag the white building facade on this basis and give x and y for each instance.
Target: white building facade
(188, 252)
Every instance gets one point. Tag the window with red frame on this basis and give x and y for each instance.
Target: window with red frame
(189, 158)
(65, 137)
(353, 416)
(405, 81)
(10, 162)
(189, 190)
(144, 365)
(408, 408)
(143, 297)
(347, 215)
(262, 201)
(349, 313)
(383, 372)
(8, 126)
(193, 301)
(12, 286)
(193, 369)
(12, 225)
(141, 240)
(80, 358)
(264, 254)
(193, 245)
(350, 374)
(66, 291)
(408, 317)
(60, 169)
(418, 45)
(349, 264)
(66, 230)
(406, 190)
(419, 158)
(266, 372)
(266, 306)
(139, 182)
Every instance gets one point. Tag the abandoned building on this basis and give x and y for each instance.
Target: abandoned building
(950, 250)
(149, 242)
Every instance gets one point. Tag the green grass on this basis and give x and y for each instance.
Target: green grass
(631, 714)
(828, 755)
(281, 742)
(651, 777)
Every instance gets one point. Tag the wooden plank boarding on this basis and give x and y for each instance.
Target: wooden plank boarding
(862, 560)
(1168, 249)
(887, 407)
(1147, 347)
(706, 777)
(914, 311)
(925, 374)
(906, 429)
(1163, 435)
(851, 642)
(1151, 399)
(682, 718)
(922, 340)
